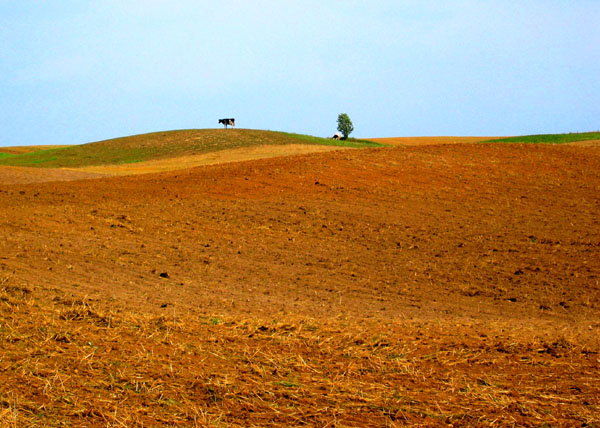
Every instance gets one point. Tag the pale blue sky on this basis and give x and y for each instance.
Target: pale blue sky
(75, 71)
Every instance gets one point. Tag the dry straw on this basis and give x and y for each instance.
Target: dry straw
(67, 362)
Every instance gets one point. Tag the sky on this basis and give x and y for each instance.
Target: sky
(77, 71)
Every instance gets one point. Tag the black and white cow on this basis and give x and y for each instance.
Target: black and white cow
(226, 122)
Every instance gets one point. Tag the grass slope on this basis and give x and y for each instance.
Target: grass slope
(164, 145)
(549, 138)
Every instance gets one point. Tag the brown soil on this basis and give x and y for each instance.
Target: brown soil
(587, 143)
(427, 141)
(447, 285)
(23, 175)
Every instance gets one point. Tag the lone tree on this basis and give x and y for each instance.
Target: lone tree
(344, 125)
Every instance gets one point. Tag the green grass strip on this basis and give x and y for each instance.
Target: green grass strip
(549, 138)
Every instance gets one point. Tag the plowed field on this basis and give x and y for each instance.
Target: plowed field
(428, 141)
(437, 285)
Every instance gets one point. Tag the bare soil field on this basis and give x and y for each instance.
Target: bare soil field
(436, 285)
(428, 141)
(588, 143)
(24, 175)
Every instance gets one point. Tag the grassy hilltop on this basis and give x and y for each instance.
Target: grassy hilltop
(163, 145)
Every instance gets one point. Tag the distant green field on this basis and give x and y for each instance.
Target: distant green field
(5, 155)
(549, 138)
(164, 145)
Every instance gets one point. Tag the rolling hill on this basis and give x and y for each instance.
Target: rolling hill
(165, 145)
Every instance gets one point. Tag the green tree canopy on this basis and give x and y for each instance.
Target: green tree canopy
(344, 125)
